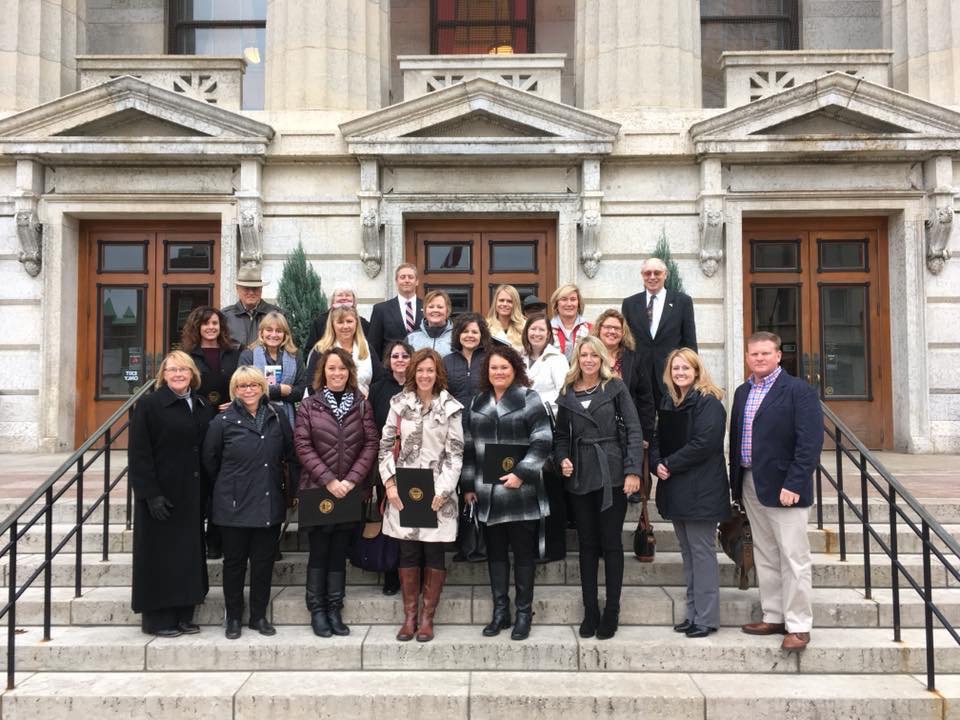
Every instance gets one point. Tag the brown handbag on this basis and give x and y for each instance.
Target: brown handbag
(736, 541)
(644, 541)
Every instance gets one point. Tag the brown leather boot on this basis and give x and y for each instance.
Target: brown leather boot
(432, 585)
(410, 592)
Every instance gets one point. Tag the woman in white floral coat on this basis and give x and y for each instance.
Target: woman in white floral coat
(428, 419)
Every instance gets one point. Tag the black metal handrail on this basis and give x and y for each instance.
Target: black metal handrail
(17, 529)
(873, 474)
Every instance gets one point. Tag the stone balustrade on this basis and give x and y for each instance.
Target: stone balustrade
(537, 73)
(751, 76)
(214, 79)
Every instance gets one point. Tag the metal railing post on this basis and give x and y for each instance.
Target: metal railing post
(865, 523)
(107, 439)
(894, 572)
(48, 565)
(12, 612)
(928, 604)
(842, 530)
(819, 490)
(78, 565)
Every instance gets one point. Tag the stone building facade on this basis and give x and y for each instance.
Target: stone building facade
(818, 200)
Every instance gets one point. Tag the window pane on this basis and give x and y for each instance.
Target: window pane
(189, 256)
(482, 26)
(723, 8)
(123, 257)
(231, 41)
(513, 257)
(459, 297)
(121, 341)
(449, 257)
(180, 301)
(844, 341)
(523, 290)
(776, 310)
(775, 256)
(200, 10)
(842, 255)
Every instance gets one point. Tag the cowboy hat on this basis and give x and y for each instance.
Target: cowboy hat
(249, 276)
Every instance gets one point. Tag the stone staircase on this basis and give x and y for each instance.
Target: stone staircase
(99, 665)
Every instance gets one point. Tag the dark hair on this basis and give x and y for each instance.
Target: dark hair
(410, 381)
(531, 319)
(460, 324)
(190, 336)
(763, 336)
(388, 348)
(511, 356)
(320, 374)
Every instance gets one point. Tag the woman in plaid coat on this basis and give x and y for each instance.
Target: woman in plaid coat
(507, 411)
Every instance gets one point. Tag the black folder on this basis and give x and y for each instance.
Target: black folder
(673, 430)
(317, 506)
(500, 459)
(415, 487)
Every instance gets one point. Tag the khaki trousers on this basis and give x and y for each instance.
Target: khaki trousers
(781, 553)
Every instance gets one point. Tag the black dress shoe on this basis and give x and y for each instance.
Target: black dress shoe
(188, 628)
(683, 627)
(263, 627)
(170, 632)
(699, 631)
(233, 629)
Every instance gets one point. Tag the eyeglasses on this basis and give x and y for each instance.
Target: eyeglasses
(249, 386)
(176, 370)
(614, 328)
(399, 356)
(652, 273)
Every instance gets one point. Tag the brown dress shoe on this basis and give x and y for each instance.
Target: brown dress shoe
(764, 628)
(795, 641)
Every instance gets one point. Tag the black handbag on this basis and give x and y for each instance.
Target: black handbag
(371, 549)
(736, 541)
(644, 541)
(471, 542)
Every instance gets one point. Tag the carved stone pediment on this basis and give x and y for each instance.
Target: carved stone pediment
(833, 121)
(480, 123)
(131, 123)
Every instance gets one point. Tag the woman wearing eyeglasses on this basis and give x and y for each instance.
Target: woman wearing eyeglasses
(170, 488)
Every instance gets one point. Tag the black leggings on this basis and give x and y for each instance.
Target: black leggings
(520, 536)
(416, 553)
(328, 547)
(600, 534)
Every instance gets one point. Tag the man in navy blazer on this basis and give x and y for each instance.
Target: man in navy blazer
(391, 319)
(776, 435)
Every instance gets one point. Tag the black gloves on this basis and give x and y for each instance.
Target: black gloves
(159, 507)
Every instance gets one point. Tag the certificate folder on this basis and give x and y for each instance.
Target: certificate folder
(673, 430)
(415, 487)
(319, 507)
(500, 459)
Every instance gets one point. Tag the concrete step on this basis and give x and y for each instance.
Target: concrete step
(550, 648)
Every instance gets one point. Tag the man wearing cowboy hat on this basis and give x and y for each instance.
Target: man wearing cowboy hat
(243, 319)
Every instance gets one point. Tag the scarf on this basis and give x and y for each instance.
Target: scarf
(339, 409)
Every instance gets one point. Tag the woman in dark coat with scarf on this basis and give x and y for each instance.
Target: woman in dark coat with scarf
(206, 338)
(170, 491)
(511, 505)
(337, 441)
(599, 450)
(693, 492)
(468, 348)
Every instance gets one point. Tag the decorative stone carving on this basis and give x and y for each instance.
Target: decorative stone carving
(711, 241)
(937, 227)
(371, 252)
(590, 254)
(30, 233)
(251, 237)
(539, 74)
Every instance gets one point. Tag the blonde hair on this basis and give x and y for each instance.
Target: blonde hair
(182, 360)
(575, 374)
(627, 340)
(330, 335)
(701, 382)
(247, 373)
(516, 313)
(566, 290)
(277, 320)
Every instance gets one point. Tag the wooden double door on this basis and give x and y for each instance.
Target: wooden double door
(137, 282)
(469, 258)
(821, 285)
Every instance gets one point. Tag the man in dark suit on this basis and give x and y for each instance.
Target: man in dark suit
(661, 321)
(395, 318)
(341, 297)
(776, 435)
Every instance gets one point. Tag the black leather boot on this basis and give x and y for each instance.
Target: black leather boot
(336, 586)
(523, 582)
(317, 601)
(499, 577)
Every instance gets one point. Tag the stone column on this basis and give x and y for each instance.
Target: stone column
(39, 42)
(631, 53)
(333, 54)
(925, 38)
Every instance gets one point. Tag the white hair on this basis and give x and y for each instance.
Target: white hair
(649, 260)
(344, 289)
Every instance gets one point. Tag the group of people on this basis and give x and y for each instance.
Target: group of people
(241, 419)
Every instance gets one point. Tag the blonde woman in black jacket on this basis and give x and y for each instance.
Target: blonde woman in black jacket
(599, 450)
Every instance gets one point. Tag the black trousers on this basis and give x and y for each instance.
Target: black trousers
(329, 545)
(520, 536)
(240, 545)
(600, 534)
(416, 554)
(556, 522)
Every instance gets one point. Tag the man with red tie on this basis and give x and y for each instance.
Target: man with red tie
(395, 318)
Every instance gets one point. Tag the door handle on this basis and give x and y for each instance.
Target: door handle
(805, 367)
(816, 370)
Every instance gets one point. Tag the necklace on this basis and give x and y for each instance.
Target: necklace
(590, 391)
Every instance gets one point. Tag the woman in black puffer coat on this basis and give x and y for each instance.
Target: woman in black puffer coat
(693, 492)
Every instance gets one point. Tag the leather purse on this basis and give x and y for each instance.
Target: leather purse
(471, 543)
(644, 541)
(736, 541)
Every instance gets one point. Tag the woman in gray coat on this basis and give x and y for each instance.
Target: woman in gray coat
(511, 505)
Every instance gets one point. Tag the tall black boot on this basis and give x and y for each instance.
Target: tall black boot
(523, 582)
(317, 601)
(336, 585)
(589, 562)
(499, 579)
(613, 569)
